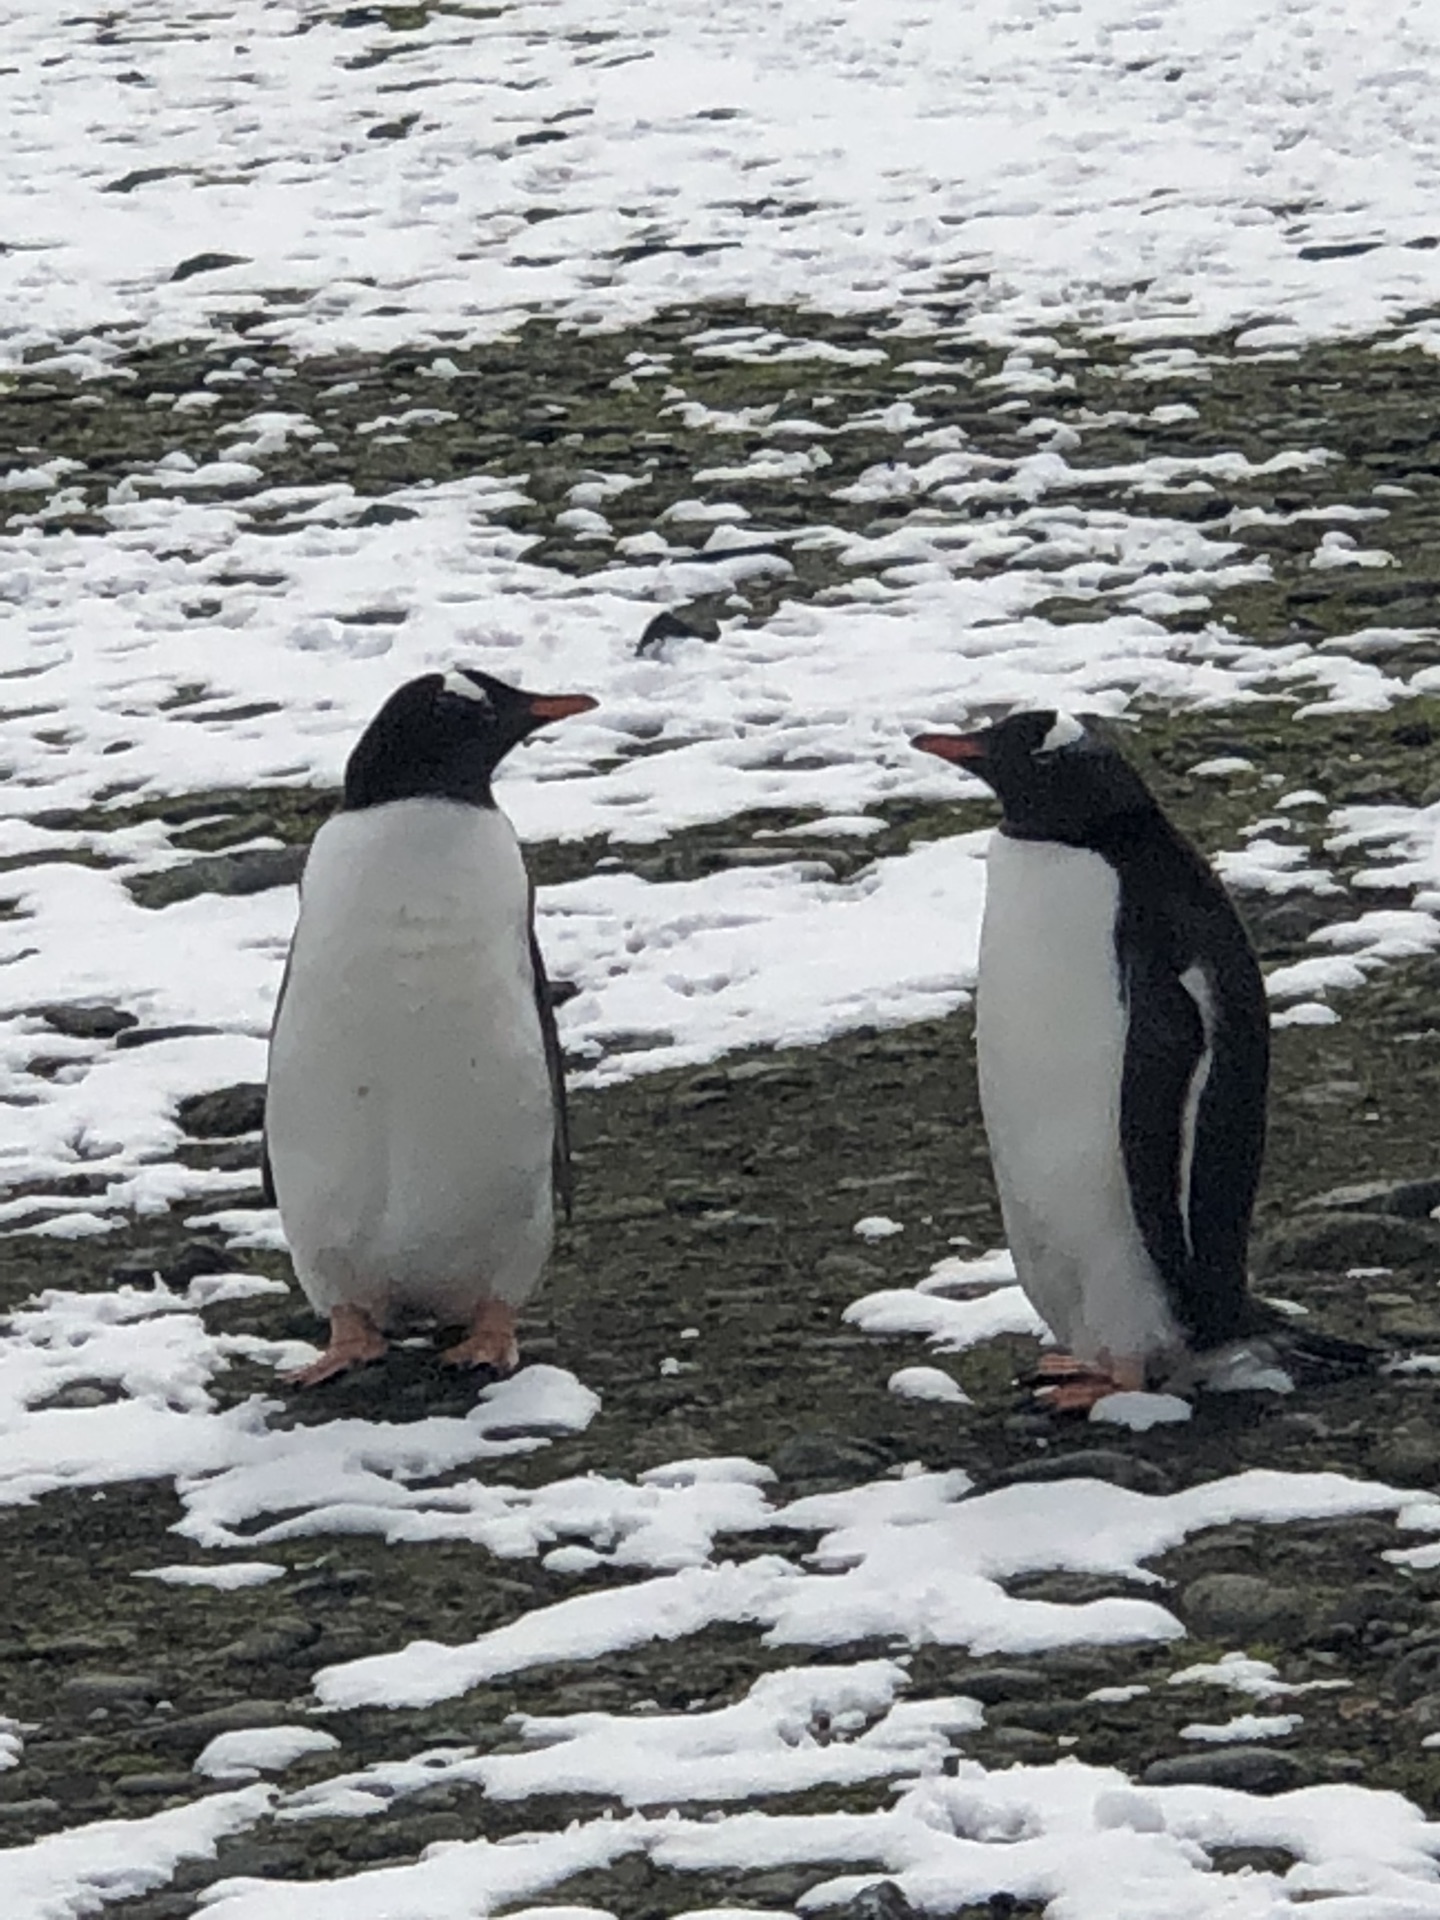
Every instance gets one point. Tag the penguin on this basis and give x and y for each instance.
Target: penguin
(1123, 1044)
(415, 1130)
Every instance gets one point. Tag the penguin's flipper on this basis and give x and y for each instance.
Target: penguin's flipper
(555, 1062)
(1192, 1130)
(267, 1172)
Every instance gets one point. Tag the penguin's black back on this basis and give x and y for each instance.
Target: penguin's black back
(1196, 1071)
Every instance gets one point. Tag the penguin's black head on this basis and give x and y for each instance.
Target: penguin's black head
(1056, 777)
(442, 737)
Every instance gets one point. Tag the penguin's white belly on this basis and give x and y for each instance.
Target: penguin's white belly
(409, 1115)
(1050, 1031)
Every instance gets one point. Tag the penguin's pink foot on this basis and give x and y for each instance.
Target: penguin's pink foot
(355, 1341)
(1073, 1387)
(490, 1342)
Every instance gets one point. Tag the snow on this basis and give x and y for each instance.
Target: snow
(1244, 1726)
(960, 178)
(243, 1755)
(927, 1383)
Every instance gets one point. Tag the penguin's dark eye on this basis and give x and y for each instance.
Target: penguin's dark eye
(461, 687)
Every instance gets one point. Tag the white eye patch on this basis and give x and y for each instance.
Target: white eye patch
(461, 683)
(1064, 732)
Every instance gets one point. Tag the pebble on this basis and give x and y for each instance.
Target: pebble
(881, 1901)
(90, 1021)
(1239, 1606)
(1248, 1769)
(224, 1113)
(819, 1457)
(236, 1717)
(249, 870)
(1406, 1199)
(1417, 1674)
(23, 1811)
(1089, 1463)
(991, 1684)
(850, 1268)
(86, 1691)
(1332, 1242)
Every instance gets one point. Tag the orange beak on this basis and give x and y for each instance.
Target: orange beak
(961, 749)
(560, 706)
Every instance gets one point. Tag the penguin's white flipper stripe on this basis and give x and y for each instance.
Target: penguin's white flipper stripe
(1196, 983)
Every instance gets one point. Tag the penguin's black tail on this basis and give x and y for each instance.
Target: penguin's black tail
(1312, 1357)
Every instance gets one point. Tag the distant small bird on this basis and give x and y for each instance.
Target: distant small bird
(1124, 1047)
(415, 1127)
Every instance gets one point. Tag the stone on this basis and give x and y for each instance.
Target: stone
(237, 1717)
(151, 1036)
(1331, 1242)
(1239, 1606)
(1406, 1199)
(86, 1691)
(22, 1811)
(1039, 1716)
(1261, 1770)
(224, 1113)
(249, 870)
(83, 1394)
(992, 1684)
(207, 263)
(821, 1458)
(156, 1785)
(882, 1900)
(851, 1269)
(1277, 1860)
(287, 1635)
(1416, 1674)
(91, 1021)
(1089, 1463)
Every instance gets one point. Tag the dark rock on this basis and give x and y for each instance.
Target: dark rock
(84, 1393)
(1239, 1606)
(1334, 1241)
(851, 1269)
(91, 1021)
(881, 1901)
(149, 1036)
(1406, 1199)
(237, 1717)
(224, 1113)
(156, 1785)
(821, 1459)
(1089, 1463)
(991, 1684)
(287, 1635)
(1251, 1860)
(1247, 1769)
(1021, 1743)
(250, 870)
(1424, 1714)
(19, 1811)
(1417, 1674)
(86, 1691)
(1039, 1716)
(207, 263)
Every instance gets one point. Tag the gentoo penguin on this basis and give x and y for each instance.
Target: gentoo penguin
(1124, 1046)
(415, 1106)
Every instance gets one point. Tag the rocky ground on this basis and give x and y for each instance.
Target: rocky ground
(723, 1199)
